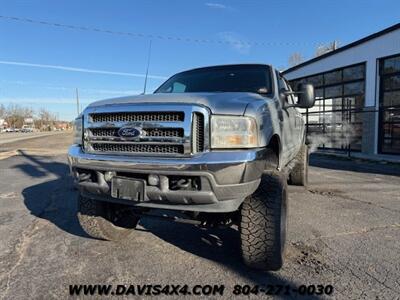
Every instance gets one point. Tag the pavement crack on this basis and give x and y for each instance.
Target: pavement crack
(20, 249)
(357, 232)
(351, 267)
(340, 194)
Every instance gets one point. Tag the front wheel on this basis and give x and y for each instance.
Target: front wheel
(263, 224)
(107, 221)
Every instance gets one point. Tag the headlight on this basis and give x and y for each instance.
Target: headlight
(233, 132)
(78, 130)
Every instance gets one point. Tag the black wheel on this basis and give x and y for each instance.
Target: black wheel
(263, 224)
(104, 220)
(299, 174)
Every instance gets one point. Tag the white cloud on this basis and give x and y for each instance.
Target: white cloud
(75, 69)
(235, 41)
(93, 91)
(86, 96)
(216, 5)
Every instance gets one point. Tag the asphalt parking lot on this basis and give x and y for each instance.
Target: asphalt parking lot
(344, 230)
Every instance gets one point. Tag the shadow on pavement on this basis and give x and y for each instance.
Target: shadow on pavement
(55, 201)
(52, 200)
(354, 165)
(218, 245)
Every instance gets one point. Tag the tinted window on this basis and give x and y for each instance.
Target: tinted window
(339, 94)
(391, 65)
(354, 88)
(333, 91)
(391, 83)
(246, 78)
(391, 98)
(353, 73)
(281, 82)
(315, 80)
(284, 85)
(319, 93)
(333, 77)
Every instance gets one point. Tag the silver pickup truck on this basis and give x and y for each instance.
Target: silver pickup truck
(216, 146)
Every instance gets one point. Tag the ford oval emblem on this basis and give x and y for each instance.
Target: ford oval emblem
(130, 132)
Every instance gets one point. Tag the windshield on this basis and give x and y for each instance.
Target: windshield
(237, 78)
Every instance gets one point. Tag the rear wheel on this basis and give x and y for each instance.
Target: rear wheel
(263, 224)
(104, 220)
(299, 174)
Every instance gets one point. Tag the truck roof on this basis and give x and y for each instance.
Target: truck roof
(226, 65)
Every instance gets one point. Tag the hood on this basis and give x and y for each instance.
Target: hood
(218, 103)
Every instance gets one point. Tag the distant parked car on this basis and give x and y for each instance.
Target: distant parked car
(26, 129)
(9, 130)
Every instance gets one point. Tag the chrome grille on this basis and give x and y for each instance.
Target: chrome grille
(104, 132)
(138, 117)
(165, 132)
(138, 148)
(151, 132)
(165, 129)
(198, 132)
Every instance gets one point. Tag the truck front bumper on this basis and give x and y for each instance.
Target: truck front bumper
(227, 177)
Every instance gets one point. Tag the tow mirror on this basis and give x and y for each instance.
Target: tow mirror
(305, 95)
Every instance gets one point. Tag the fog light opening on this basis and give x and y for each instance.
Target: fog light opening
(153, 180)
(109, 175)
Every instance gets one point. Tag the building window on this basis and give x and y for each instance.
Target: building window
(389, 116)
(390, 65)
(335, 121)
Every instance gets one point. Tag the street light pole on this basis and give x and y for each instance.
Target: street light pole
(77, 101)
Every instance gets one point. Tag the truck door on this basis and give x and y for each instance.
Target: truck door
(299, 120)
(290, 129)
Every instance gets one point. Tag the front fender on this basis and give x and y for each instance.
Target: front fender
(266, 113)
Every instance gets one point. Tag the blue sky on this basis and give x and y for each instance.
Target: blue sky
(40, 66)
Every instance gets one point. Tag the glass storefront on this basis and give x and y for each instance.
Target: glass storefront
(335, 122)
(389, 103)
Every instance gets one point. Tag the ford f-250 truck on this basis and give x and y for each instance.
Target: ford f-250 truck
(217, 145)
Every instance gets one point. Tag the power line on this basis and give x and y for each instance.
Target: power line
(78, 69)
(155, 36)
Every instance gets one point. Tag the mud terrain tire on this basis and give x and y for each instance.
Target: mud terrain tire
(263, 224)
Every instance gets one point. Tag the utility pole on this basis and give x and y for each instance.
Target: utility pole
(147, 69)
(334, 45)
(77, 101)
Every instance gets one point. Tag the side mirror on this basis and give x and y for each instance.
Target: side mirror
(305, 95)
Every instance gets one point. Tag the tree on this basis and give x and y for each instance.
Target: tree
(2, 111)
(14, 115)
(46, 119)
(322, 49)
(295, 59)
